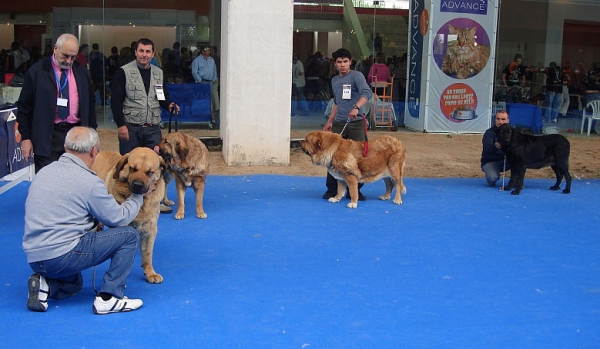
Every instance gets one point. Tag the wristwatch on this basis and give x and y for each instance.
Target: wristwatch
(355, 107)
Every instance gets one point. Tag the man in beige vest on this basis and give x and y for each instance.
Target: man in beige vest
(138, 93)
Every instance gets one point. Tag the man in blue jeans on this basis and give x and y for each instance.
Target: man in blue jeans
(62, 238)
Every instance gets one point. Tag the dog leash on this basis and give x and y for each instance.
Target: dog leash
(503, 173)
(170, 115)
(366, 126)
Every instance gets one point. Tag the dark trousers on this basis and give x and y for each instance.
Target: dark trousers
(57, 148)
(353, 130)
(140, 136)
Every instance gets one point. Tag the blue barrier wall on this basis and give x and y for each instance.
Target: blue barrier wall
(193, 101)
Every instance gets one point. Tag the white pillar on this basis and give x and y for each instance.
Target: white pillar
(256, 69)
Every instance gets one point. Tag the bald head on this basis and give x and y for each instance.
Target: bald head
(81, 139)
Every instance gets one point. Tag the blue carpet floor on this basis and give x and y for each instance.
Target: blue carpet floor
(458, 265)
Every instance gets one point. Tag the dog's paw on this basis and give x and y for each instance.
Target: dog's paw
(385, 197)
(201, 215)
(397, 202)
(154, 278)
(333, 199)
(169, 202)
(566, 191)
(555, 187)
(515, 192)
(352, 205)
(179, 215)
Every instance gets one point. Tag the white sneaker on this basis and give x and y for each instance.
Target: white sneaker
(37, 299)
(115, 305)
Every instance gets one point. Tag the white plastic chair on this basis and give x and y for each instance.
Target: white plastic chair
(595, 115)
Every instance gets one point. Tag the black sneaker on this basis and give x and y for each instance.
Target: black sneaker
(37, 300)
(329, 194)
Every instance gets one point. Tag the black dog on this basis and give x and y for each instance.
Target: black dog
(525, 151)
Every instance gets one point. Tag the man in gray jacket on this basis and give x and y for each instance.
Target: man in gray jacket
(62, 237)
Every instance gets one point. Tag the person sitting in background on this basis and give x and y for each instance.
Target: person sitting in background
(513, 76)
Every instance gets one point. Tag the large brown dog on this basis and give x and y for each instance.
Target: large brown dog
(345, 162)
(137, 172)
(187, 159)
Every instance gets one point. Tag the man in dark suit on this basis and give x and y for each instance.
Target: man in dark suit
(57, 95)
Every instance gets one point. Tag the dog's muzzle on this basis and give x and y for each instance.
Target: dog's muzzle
(138, 187)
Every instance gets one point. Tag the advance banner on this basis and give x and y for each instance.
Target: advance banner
(457, 66)
(11, 159)
(416, 73)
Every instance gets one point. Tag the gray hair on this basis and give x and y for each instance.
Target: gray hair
(64, 37)
(81, 139)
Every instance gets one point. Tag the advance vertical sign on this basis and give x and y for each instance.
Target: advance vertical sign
(459, 68)
(415, 89)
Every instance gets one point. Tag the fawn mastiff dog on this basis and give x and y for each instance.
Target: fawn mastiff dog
(345, 162)
(187, 160)
(525, 151)
(137, 172)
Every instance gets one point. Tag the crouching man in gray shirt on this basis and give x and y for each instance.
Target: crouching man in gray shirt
(66, 201)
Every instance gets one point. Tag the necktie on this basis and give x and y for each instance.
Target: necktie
(63, 112)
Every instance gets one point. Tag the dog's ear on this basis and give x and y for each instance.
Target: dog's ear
(120, 165)
(182, 149)
(513, 132)
(163, 166)
(319, 140)
(162, 161)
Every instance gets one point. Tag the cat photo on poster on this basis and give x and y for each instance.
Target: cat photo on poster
(461, 48)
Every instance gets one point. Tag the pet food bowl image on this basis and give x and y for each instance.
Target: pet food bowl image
(464, 113)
